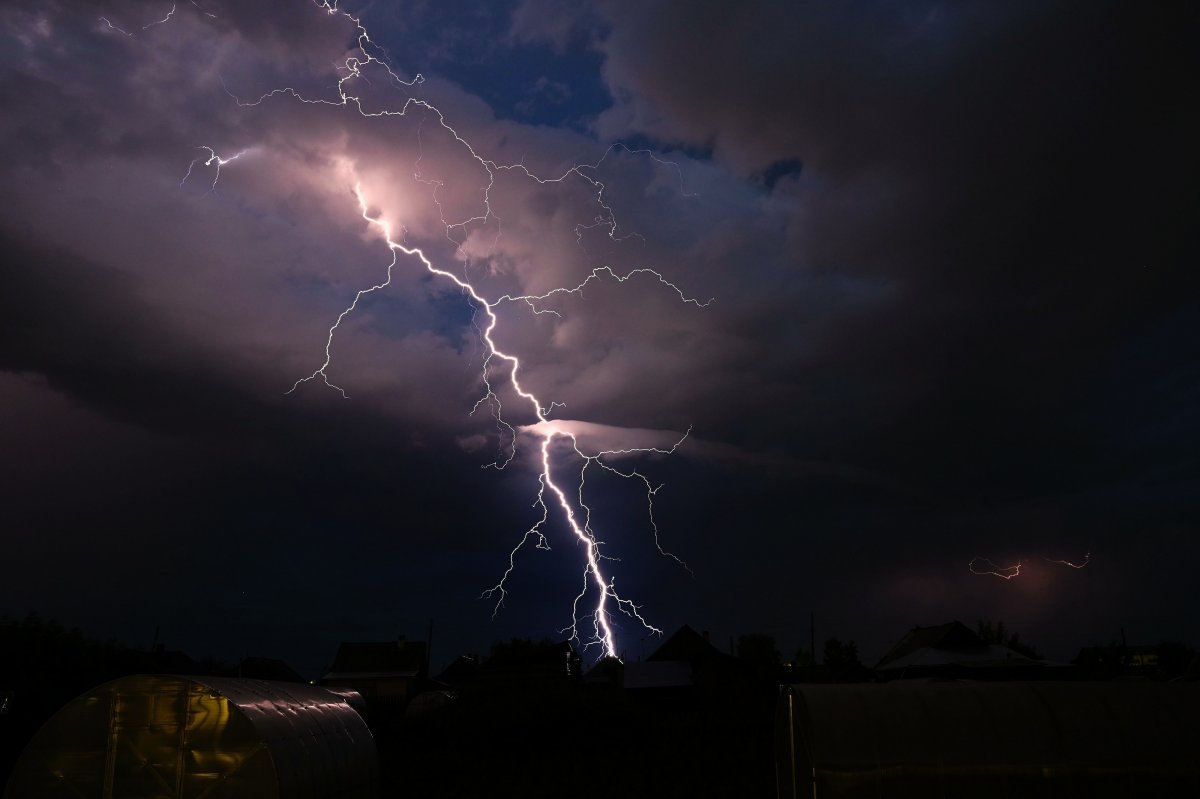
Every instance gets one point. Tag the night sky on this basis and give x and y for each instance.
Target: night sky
(951, 247)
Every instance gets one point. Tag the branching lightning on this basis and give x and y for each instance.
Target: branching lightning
(549, 432)
(555, 437)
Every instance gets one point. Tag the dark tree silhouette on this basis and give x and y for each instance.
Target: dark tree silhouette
(758, 648)
(759, 652)
(842, 663)
(999, 634)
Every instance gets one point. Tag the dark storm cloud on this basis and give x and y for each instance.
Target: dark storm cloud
(964, 156)
(118, 362)
(80, 324)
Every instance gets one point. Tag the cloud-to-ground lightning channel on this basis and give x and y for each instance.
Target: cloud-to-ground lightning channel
(552, 434)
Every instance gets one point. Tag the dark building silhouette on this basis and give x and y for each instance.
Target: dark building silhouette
(954, 651)
(522, 665)
(1169, 660)
(685, 661)
(463, 669)
(386, 673)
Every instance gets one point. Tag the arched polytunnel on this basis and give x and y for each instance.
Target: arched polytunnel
(171, 737)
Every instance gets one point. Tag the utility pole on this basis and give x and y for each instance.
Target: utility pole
(812, 635)
(429, 649)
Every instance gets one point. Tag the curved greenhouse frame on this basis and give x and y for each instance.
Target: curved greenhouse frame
(170, 737)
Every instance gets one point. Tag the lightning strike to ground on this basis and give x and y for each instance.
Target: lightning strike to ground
(497, 363)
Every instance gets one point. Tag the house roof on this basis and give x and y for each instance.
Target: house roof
(951, 644)
(990, 656)
(462, 667)
(686, 644)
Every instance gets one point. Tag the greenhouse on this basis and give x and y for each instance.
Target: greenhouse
(975, 739)
(172, 737)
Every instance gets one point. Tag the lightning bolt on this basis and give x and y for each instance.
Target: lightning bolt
(549, 432)
(595, 627)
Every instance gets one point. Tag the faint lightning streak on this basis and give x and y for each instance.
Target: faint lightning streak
(532, 299)
(213, 158)
(321, 370)
(651, 489)
(498, 591)
(1009, 572)
(1086, 559)
(148, 25)
(202, 11)
(1003, 572)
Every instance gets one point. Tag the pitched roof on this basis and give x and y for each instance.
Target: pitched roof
(951, 644)
(685, 644)
(462, 667)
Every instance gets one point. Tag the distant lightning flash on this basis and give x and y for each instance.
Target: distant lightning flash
(574, 511)
(981, 565)
(1086, 559)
